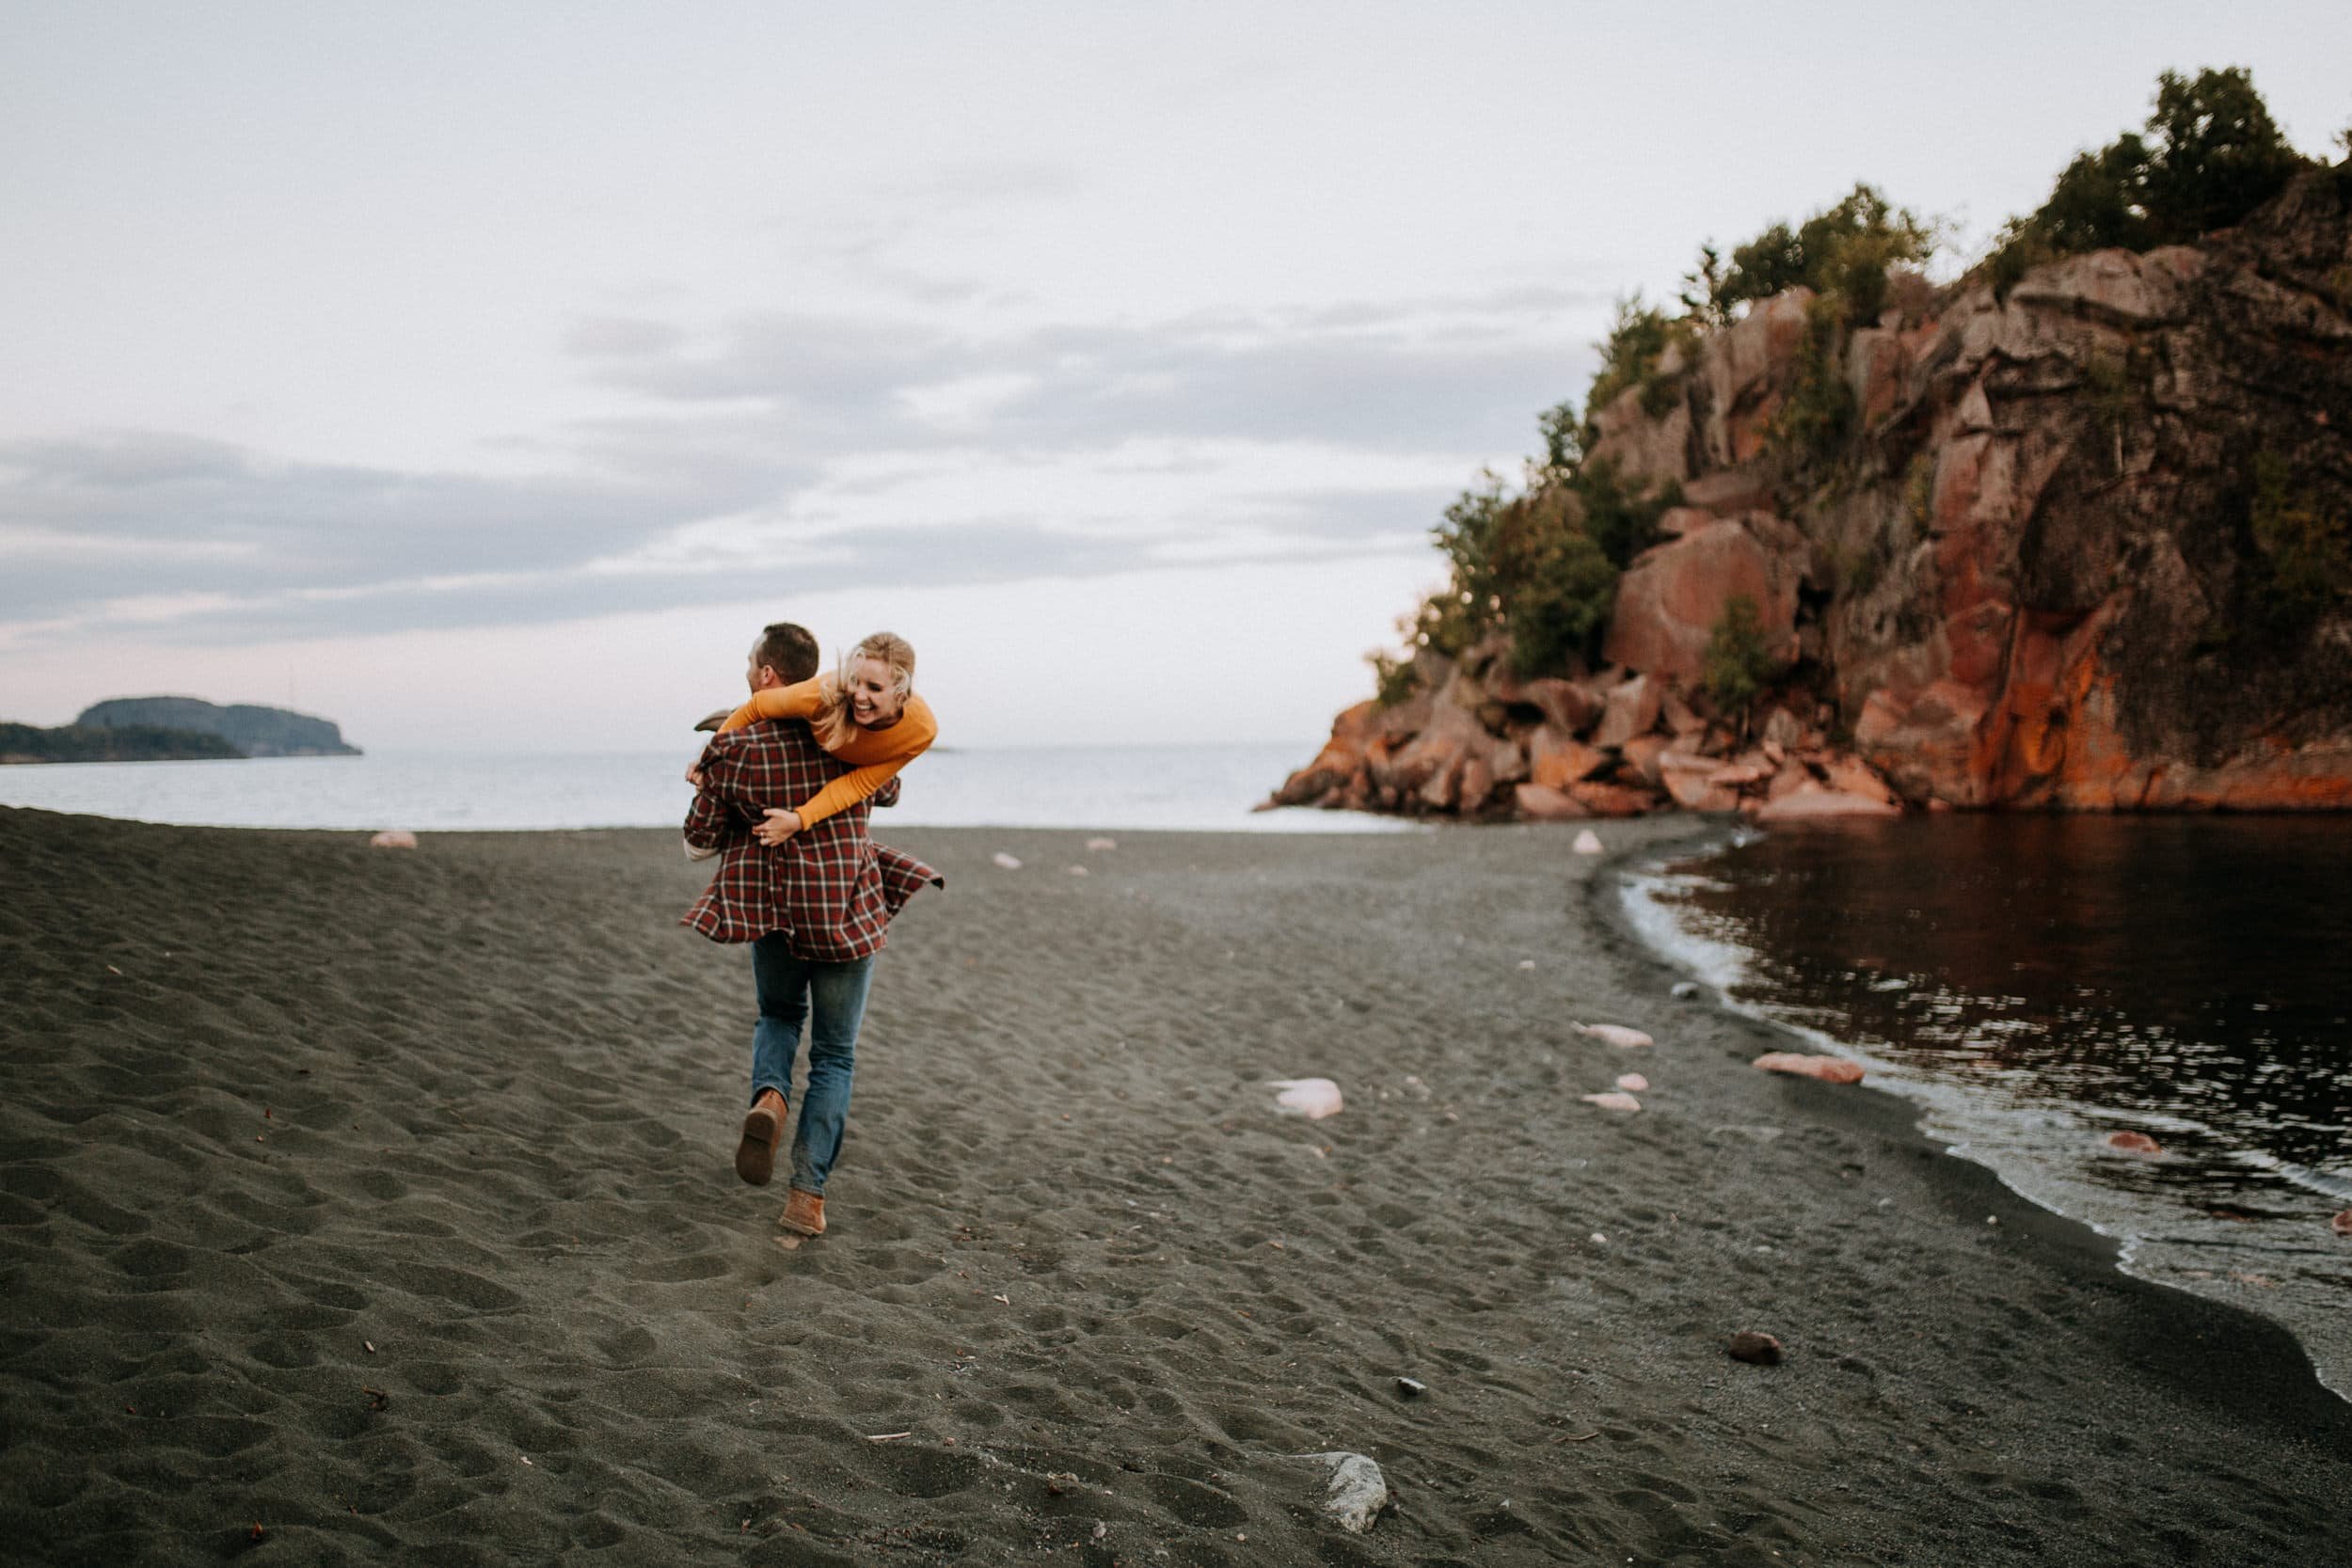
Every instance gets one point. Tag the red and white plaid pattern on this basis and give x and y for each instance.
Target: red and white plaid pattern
(830, 889)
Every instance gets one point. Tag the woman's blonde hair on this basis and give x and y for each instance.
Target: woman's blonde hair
(832, 724)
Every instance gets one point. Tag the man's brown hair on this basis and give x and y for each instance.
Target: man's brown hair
(788, 649)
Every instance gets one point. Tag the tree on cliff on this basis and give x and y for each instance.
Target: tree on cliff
(2209, 154)
(1540, 562)
(1844, 249)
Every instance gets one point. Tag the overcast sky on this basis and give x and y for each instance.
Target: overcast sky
(443, 369)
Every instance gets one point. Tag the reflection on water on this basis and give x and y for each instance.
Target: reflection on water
(2186, 968)
(2043, 981)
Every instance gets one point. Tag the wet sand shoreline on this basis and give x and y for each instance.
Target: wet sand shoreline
(392, 1213)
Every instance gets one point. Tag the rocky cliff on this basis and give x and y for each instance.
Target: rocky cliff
(253, 730)
(2083, 544)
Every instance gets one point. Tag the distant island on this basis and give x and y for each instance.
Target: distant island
(174, 729)
(128, 743)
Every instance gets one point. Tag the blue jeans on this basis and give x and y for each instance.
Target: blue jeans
(792, 990)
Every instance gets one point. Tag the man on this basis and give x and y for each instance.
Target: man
(814, 910)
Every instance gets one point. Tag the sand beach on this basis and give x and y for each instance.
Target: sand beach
(367, 1206)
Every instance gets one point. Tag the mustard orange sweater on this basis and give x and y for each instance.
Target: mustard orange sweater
(876, 753)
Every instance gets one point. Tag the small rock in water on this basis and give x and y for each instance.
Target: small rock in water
(1411, 1387)
(1011, 863)
(1612, 1034)
(1359, 1492)
(1612, 1102)
(1828, 1069)
(2342, 1224)
(1685, 990)
(1078, 871)
(1760, 1349)
(1311, 1098)
(1102, 843)
(1587, 842)
(393, 838)
(1632, 1083)
(2135, 1143)
(1527, 963)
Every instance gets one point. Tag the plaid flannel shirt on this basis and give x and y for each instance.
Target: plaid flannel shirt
(829, 889)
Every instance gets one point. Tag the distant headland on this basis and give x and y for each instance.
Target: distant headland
(2072, 531)
(174, 729)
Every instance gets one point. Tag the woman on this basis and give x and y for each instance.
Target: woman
(866, 713)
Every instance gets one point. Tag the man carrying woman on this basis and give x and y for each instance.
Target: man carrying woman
(801, 881)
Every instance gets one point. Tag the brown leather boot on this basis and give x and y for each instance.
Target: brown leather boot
(803, 1212)
(756, 1156)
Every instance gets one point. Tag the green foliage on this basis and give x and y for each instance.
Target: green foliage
(1622, 521)
(1541, 565)
(1737, 666)
(2307, 546)
(1638, 341)
(1843, 249)
(1394, 680)
(1919, 490)
(1813, 419)
(1467, 539)
(1560, 582)
(1564, 439)
(2218, 154)
(2209, 155)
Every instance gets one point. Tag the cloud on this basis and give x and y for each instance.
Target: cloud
(821, 450)
(1439, 373)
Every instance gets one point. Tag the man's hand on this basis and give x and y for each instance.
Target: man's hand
(695, 777)
(777, 825)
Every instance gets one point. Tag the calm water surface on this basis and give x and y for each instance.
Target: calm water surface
(2040, 983)
(1076, 787)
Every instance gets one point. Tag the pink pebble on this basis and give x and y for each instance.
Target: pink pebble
(1632, 1080)
(2342, 1224)
(2135, 1143)
(1612, 1102)
(1828, 1069)
(393, 838)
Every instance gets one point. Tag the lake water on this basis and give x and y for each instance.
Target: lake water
(1131, 786)
(2040, 983)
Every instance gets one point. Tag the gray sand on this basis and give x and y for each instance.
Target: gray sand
(383, 1201)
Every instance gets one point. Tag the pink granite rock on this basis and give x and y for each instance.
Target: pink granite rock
(1811, 801)
(1673, 594)
(1614, 1034)
(1543, 804)
(1828, 1069)
(1631, 710)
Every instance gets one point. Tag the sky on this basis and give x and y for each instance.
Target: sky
(447, 368)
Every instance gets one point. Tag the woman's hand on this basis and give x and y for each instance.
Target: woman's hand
(695, 777)
(777, 825)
